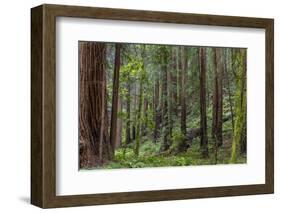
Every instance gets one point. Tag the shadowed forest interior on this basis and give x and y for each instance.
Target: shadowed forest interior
(146, 105)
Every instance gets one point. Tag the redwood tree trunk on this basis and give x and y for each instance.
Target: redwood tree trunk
(165, 123)
(217, 97)
(93, 119)
(183, 90)
(145, 114)
(174, 85)
(119, 124)
(171, 97)
(228, 89)
(113, 126)
(138, 121)
(203, 116)
(134, 112)
(128, 106)
(157, 110)
(220, 99)
(178, 60)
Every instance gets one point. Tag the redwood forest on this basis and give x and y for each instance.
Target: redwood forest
(148, 105)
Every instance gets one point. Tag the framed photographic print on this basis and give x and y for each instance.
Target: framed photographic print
(136, 106)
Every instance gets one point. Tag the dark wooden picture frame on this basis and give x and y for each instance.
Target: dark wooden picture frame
(43, 105)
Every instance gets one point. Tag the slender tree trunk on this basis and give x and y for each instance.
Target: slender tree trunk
(165, 126)
(93, 120)
(220, 98)
(229, 90)
(183, 90)
(170, 97)
(140, 106)
(157, 110)
(113, 126)
(217, 97)
(145, 108)
(135, 113)
(174, 85)
(119, 124)
(138, 125)
(179, 69)
(243, 143)
(128, 105)
(203, 116)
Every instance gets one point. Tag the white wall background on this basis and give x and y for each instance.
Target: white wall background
(15, 105)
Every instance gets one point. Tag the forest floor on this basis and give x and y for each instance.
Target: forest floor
(150, 156)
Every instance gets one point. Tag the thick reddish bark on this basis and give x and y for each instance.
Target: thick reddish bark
(218, 97)
(93, 119)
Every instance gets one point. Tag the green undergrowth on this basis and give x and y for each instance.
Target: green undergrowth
(151, 156)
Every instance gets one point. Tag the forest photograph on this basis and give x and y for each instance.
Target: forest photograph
(150, 105)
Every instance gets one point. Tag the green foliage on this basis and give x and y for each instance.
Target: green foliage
(177, 136)
(133, 70)
(149, 148)
(150, 156)
(178, 140)
(141, 67)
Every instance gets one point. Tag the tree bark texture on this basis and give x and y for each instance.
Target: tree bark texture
(174, 73)
(203, 116)
(217, 97)
(157, 109)
(94, 141)
(128, 106)
(183, 90)
(114, 111)
(165, 123)
(228, 89)
(240, 104)
(119, 124)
